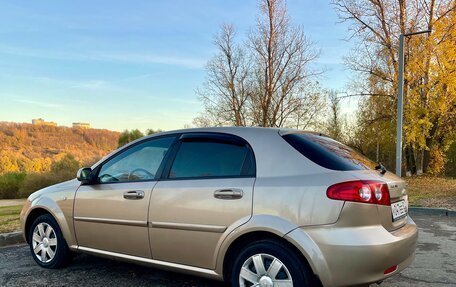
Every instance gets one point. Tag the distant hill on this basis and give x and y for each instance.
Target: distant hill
(33, 148)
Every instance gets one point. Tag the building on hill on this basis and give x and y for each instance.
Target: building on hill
(41, 122)
(81, 125)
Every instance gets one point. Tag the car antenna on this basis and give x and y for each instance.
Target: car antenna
(381, 168)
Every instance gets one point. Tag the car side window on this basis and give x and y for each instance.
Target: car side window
(137, 163)
(203, 159)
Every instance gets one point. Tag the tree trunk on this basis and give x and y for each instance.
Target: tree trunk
(410, 160)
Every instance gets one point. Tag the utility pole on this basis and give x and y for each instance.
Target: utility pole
(400, 100)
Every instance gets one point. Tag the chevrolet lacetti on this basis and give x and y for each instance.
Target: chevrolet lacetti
(252, 206)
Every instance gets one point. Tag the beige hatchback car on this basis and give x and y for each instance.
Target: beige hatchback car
(251, 206)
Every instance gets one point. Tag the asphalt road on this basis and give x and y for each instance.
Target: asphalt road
(435, 265)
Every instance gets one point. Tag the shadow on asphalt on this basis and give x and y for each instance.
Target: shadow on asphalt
(17, 268)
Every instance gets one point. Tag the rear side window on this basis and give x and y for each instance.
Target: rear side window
(328, 153)
(203, 159)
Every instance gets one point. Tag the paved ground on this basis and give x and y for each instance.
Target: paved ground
(435, 265)
(11, 202)
(435, 262)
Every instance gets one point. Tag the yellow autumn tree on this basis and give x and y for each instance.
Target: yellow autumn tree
(430, 106)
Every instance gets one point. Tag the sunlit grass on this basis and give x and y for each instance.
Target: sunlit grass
(9, 218)
(432, 192)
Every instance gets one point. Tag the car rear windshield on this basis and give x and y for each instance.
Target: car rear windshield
(328, 153)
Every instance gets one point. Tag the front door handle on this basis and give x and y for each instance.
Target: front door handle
(134, 194)
(230, 193)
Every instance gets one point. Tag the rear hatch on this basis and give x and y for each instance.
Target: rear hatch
(394, 216)
(334, 155)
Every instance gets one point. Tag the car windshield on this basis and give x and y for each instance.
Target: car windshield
(328, 153)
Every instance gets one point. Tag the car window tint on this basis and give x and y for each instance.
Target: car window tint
(139, 162)
(208, 159)
(328, 153)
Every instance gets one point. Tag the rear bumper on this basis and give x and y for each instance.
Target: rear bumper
(357, 255)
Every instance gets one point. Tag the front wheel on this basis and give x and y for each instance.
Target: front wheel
(49, 248)
(268, 263)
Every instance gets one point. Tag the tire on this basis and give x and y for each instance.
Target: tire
(269, 251)
(52, 249)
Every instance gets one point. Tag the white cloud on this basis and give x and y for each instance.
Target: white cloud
(41, 104)
(137, 58)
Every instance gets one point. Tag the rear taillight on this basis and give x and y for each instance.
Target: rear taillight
(366, 191)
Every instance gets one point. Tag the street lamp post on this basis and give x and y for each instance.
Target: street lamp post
(400, 99)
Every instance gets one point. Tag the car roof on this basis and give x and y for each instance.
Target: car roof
(237, 129)
(230, 129)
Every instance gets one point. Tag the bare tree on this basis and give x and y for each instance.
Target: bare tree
(334, 121)
(310, 107)
(226, 89)
(266, 82)
(282, 55)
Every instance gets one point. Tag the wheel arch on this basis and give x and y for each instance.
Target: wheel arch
(46, 205)
(259, 228)
(31, 217)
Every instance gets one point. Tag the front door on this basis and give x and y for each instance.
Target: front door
(207, 187)
(112, 214)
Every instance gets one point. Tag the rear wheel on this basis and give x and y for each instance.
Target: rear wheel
(49, 248)
(268, 263)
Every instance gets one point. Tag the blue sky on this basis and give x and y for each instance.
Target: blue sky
(132, 64)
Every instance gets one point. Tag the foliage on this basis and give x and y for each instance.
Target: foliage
(21, 185)
(152, 131)
(62, 170)
(450, 164)
(66, 165)
(268, 81)
(429, 90)
(10, 183)
(128, 136)
(335, 122)
(31, 148)
(37, 181)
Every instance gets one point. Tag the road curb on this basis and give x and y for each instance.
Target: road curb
(11, 238)
(432, 211)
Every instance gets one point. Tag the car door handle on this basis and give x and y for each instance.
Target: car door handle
(230, 193)
(134, 194)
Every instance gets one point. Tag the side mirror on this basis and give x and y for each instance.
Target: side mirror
(84, 175)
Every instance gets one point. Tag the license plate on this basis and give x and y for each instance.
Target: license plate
(399, 210)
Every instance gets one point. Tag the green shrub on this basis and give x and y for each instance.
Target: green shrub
(34, 182)
(21, 185)
(37, 181)
(10, 184)
(66, 167)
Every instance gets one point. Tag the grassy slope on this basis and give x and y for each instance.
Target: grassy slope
(25, 147)
(9, 218)
(432, 192)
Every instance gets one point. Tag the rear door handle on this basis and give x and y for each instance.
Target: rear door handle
(134, 194)
(229, 193)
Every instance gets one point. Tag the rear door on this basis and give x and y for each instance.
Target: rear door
(206, 187)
